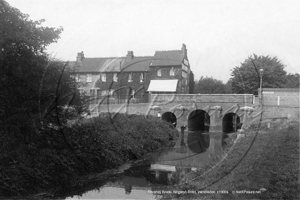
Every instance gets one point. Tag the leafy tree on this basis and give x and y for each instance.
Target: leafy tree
(209, 85)
(228, 87)
(292, 81)
(35, 91)
(31, 83)
(191, 83)
(246, 79)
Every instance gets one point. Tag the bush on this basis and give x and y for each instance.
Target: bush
(55, 158)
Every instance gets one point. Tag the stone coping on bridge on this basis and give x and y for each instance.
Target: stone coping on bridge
(204, 94)
(203, 98)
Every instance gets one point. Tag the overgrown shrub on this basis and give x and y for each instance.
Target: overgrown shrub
(57, 157)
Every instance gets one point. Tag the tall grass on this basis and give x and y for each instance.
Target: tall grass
(270, 167)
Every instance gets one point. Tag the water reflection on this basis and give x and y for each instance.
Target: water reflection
(165, 168)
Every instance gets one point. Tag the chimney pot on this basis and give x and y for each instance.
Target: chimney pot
(80, 56)
(184, 50)
(129, 55)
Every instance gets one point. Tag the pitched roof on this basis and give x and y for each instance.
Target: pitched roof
(100, 65)
(167, 58)
(118, 64)
(137, 64)
(112, 65)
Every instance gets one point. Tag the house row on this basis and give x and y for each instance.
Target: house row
(133, 77)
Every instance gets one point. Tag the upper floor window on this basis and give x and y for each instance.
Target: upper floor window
(89, 78)
(103, 77)
(115, 78)
(142, 77)
(172, 72)
(159, 72)
(130, 77)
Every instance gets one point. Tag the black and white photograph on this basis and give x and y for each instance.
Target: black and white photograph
(155, 99)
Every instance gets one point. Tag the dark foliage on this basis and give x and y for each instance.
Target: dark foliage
(55, 158)
(292, 81)
(191, 83)
(246, 78)
(209, 85)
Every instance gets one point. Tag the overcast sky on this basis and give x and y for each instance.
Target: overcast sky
(219, 35)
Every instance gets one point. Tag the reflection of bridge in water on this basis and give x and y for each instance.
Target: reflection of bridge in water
(164, 168)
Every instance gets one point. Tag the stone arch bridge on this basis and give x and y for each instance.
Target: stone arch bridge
(199, 112)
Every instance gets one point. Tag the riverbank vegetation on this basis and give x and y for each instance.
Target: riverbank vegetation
(270, 167)
(57, 157)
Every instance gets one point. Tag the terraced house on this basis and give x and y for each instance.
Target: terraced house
(118, 79)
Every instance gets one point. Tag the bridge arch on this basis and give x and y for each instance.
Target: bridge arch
(169, 117)
(230, 123)
(198, 120)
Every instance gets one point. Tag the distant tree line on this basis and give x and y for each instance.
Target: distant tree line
(209, 85)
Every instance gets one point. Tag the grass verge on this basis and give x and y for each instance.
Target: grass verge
(269, 170)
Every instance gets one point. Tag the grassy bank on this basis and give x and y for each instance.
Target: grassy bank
(56, 157)
(270, 167)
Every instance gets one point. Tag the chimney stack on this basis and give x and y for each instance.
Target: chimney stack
(184, 50)
(80, 56)
(129, 55)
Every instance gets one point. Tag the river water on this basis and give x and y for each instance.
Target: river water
(164, 168)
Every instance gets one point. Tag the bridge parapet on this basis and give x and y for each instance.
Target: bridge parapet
(203, 98)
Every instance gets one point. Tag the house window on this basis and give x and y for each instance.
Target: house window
(92, 92)
(159, 72)
(172, 72)
(104, 92)
(92, 96)
(130, 77)
(89, 78)
(98, 95)
(115, 78)
(103, 77)
(142, 77)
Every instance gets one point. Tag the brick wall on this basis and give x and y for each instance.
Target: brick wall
(281, 97)
(122, 81)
